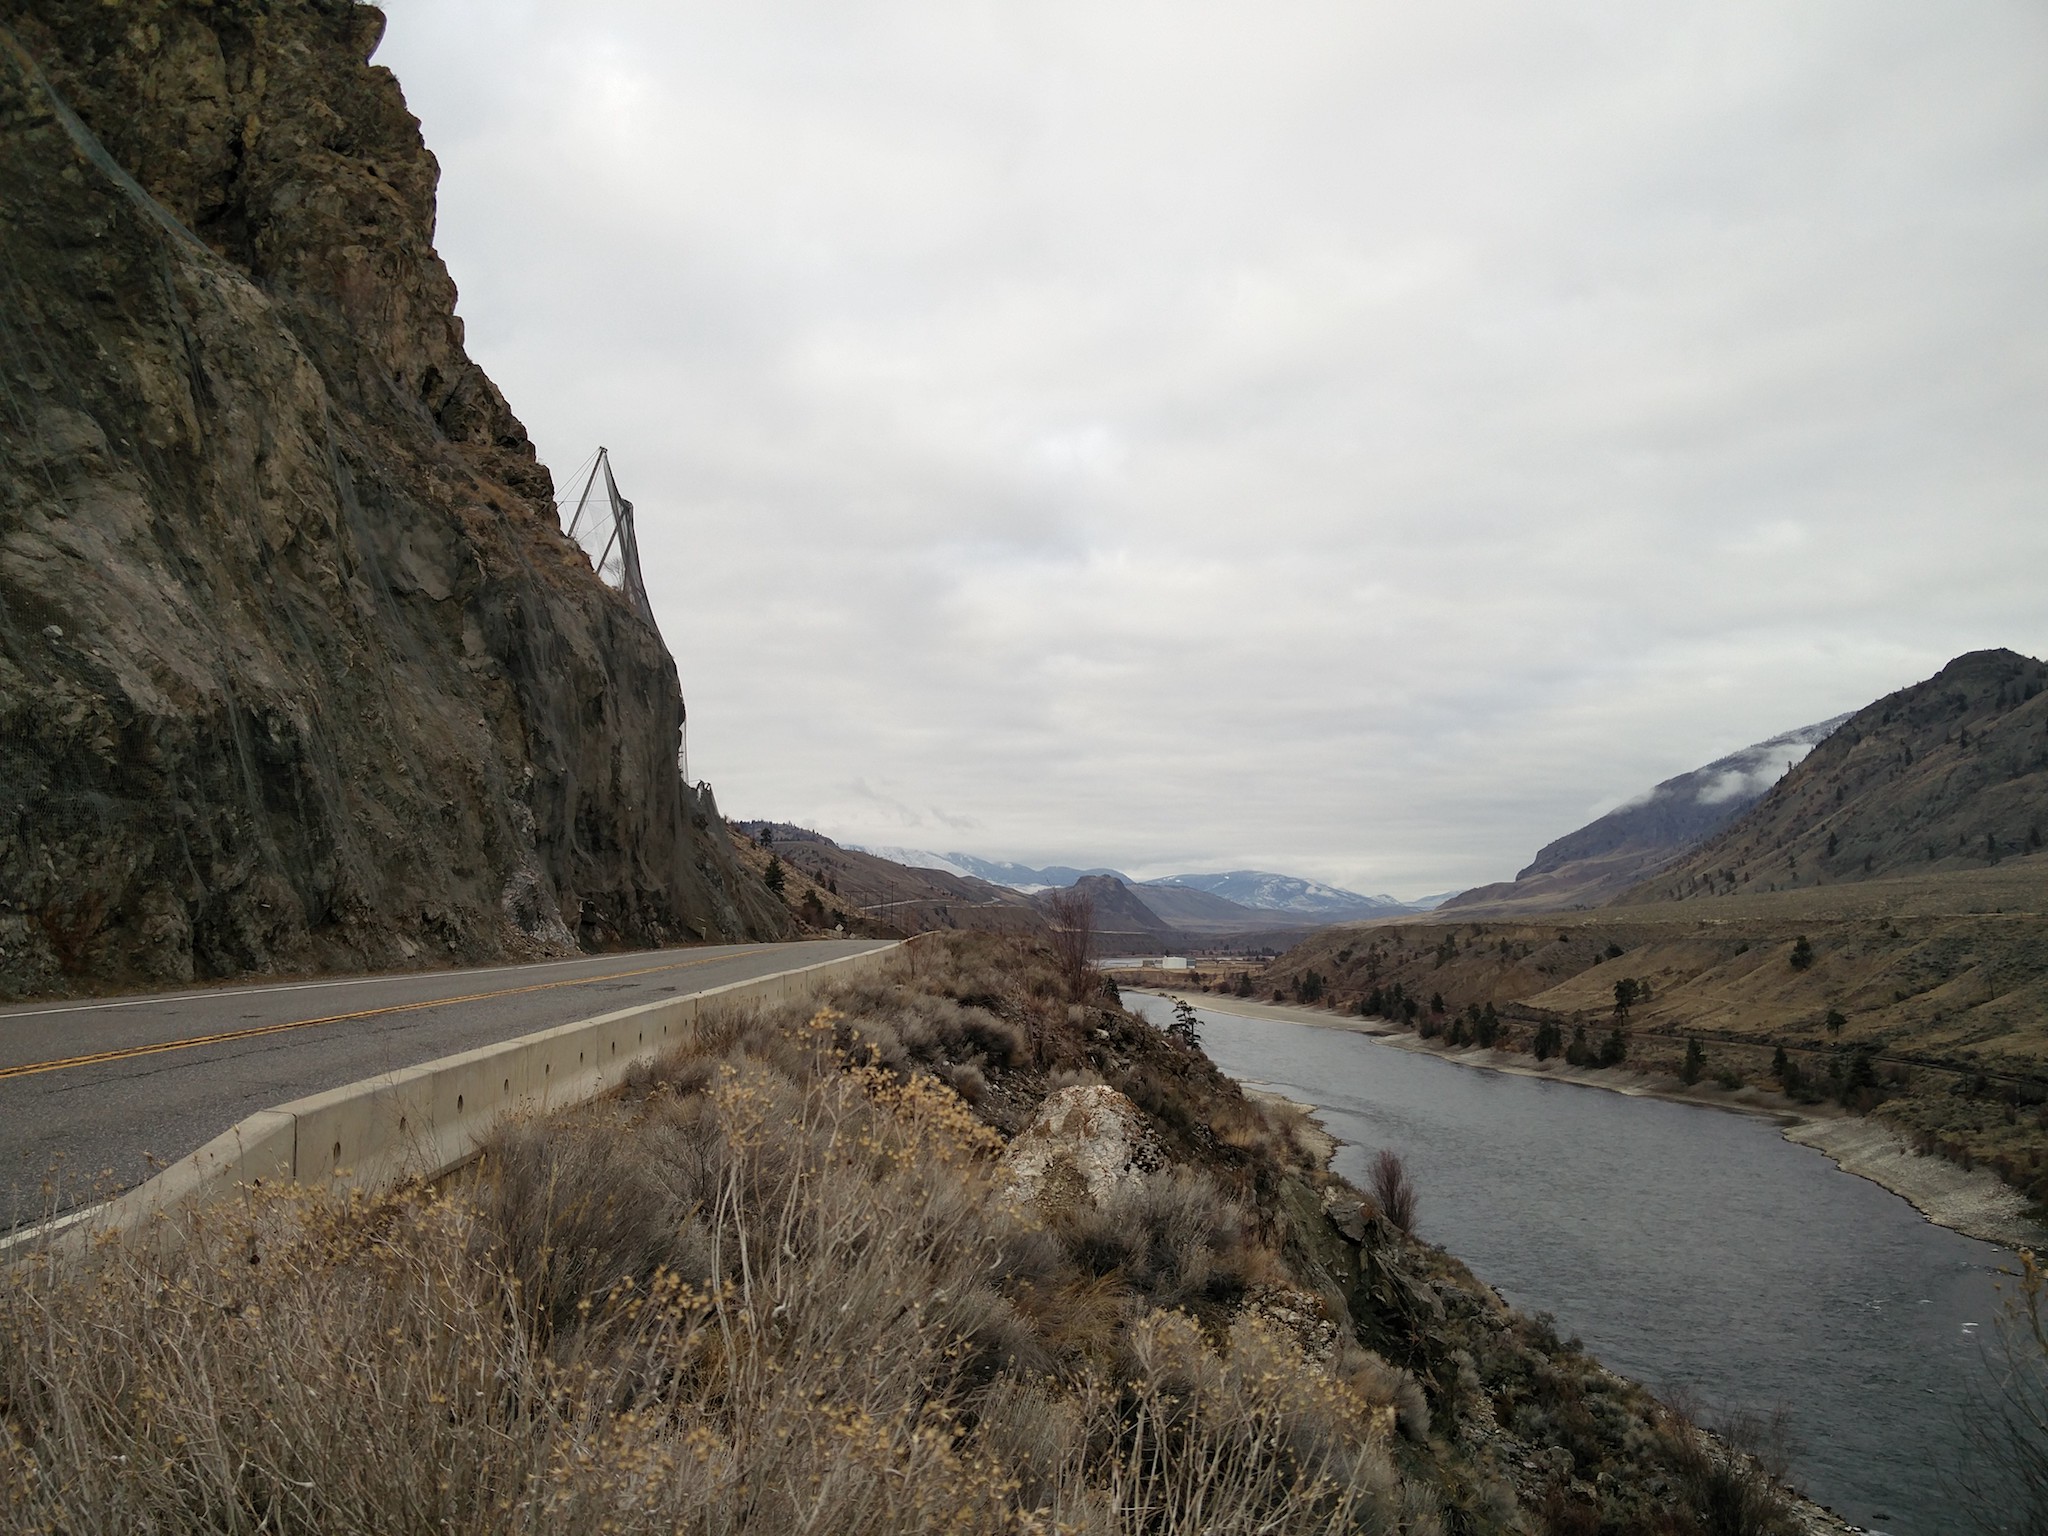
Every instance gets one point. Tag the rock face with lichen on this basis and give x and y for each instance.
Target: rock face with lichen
(1085, 1143)
(296, 667)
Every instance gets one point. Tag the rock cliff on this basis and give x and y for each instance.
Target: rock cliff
(296, 667)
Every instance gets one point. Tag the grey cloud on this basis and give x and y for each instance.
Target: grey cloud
(1352, 440)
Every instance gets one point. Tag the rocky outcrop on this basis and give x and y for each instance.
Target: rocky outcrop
(296, 667)
(1085, 1144)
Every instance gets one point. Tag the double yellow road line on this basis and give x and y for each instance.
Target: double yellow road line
(95, 1058)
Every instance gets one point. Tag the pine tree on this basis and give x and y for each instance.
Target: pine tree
(1695, 1064)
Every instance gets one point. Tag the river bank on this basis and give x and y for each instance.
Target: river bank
(1704, 1256)
(1974, 1202)
(1277, 1074)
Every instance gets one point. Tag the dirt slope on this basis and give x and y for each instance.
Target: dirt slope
(880, 895)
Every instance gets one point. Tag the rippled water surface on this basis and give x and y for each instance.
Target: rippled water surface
(1686, 1246)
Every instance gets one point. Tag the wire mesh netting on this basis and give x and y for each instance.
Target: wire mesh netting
(600, 520)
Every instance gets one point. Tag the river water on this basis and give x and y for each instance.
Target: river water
(1687, 1246)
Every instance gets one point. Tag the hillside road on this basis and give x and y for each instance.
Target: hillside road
(95, 1093)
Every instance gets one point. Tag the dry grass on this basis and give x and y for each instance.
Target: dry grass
(770, 1288)
(1941, 980)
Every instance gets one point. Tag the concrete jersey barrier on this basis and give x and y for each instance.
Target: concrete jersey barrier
(427, 1119)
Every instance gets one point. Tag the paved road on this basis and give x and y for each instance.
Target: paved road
(91, 1092)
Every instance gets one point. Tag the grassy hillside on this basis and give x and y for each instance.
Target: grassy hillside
(826, 885)
(1938, 983)
(1949, 774)
(777, 1285)
(1599, 861)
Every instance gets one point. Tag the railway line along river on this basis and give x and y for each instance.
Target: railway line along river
(1688, 1247)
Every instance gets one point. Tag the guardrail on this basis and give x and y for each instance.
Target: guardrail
(427, 1119)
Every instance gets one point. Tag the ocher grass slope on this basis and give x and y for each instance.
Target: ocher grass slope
(1937, 984)
(777, 1285)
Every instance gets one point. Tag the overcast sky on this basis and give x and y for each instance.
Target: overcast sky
(1358, 440)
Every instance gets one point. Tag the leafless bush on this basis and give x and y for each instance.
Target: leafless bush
(2005, 1486)
(1732, 1479)
(1073, 939)
(1389, 1187)
(769, 1289)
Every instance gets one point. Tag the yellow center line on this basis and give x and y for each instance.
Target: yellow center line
(30, 1069)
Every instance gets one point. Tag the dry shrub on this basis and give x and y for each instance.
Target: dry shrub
(1272, 1130)
(1072, 913)
(1390, 1191)
(1171, 1236)
(1731, 1481)
(1377, 1381)
(1246, 1438)
(900, 1029)
(770, 1289)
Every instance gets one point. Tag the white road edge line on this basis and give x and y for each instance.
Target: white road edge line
(48, 1228)
(7, 1017)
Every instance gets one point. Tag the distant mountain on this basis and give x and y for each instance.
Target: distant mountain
(1203, 912)
(1591, 866)
(1264, 892)
(1241, 901)
(1949, 774)
(1122, 920)
(1431, 903)
(1018, 877)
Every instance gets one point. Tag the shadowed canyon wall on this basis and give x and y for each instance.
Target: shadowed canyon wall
(296, 667)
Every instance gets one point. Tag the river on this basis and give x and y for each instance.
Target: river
(1687, 1246)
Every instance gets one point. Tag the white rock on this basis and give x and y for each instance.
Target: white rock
(1084, 1143)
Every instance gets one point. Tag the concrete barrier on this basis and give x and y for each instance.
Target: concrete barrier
(427, 1119)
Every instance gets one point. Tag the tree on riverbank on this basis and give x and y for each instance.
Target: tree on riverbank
(1627, 992)
(1694, 1067)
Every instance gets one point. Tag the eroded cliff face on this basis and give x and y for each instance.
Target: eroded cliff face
(296, 667)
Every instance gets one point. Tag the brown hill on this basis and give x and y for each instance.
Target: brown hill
(1596, 863)
(1940, 979)
(880, 894)
(296, 666)
(1203, 913)
(1949, 774)
(1122, 920)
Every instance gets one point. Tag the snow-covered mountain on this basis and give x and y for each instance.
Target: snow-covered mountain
(1260, 890)
(1267, 892)
(1018, 877)
(916, 858)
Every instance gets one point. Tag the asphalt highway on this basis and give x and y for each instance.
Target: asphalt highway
(94, 1094)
